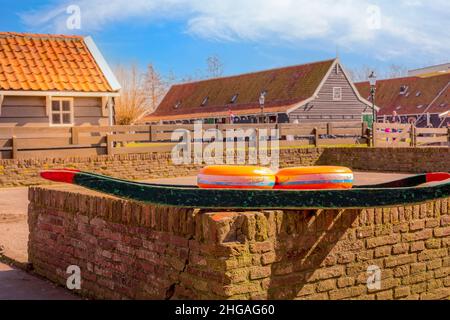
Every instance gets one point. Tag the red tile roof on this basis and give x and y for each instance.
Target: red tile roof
(285, 87)
(420, 96)
(36, 62)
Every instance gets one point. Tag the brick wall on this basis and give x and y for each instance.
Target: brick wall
(130, 250)
(149, 166)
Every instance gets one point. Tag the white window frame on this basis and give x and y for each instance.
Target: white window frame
(71, 112)
(335, 91)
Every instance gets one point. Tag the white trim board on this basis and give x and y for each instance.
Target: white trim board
(103, 65)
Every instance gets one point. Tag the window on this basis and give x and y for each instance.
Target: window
(234, 98)
(337, 94)
(62, 112)
(205, 101)
(403, 89)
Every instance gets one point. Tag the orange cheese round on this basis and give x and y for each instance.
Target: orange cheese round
(236, 177)
(314, 178)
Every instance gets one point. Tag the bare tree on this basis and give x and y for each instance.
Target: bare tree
(396, 71)
(361, 74)
(133, 100)
(155, 87)
(215, 67)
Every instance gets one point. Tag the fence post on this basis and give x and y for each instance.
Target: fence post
(316, 137)
(74, 136)
(14, 150)
(365, 132)
(109, 144)
(373, 141)
(413, 136)
(329, 128)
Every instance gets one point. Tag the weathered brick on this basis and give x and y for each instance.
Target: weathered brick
(433, 243)
(402, 271)
(419, 235)
(346, 293)
(431, 254)
(327, 273)
(417, 246)
(402, 292)
(261, 247)
(383, 251)
(382, 241)
(438, 294)
(432, 222)
(400, 260)
(416, 225)
(385, 295)
(442, 272)
(442, 232)
(445, 220)
(260, 272)
(344, 282)
(326, 285)
(434, 264)
(418, 267)
(400, 248)
(268, 258)
(416, 278)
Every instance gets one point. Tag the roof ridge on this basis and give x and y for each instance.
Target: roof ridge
(4, 34)
(253, 72)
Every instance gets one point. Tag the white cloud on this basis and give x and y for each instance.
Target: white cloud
(407, 27)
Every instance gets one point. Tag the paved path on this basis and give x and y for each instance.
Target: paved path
(16, 284)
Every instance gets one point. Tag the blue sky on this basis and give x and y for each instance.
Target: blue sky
(248, 35)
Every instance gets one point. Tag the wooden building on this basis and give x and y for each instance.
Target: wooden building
(54, 80)
(314, 92)
(423, 100)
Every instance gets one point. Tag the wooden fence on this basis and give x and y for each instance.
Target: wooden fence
(54, 142)
(388, 135)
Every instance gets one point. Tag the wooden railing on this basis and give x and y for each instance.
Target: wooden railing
(54, 142)
(391, 135)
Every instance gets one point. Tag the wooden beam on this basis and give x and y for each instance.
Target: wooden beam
(105, 103)
(48, 105)
(1, 102)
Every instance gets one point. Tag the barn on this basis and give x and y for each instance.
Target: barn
(423, 100)
(307, 93)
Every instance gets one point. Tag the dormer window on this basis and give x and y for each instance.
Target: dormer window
(418, 94)
(403, 89)
(205, 101)
(234, 98)
(177, 104)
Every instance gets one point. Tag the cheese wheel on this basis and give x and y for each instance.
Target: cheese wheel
(236, 177)
(314, 178)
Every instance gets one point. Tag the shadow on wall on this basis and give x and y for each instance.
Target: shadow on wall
(303, 246)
